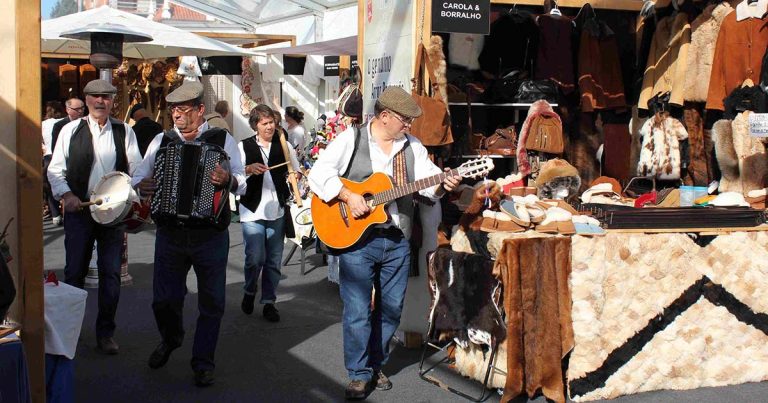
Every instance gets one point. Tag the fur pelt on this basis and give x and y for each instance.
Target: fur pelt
(582, 149)
(557, 174)
(536, 109)
(635, 125)
(437, 57)
(742, 158)
(701, 51)
(660, 153)
(472, 362)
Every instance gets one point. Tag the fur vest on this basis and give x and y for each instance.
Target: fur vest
(701, 53)
(537, 108)
(742, 158)
(660, 152)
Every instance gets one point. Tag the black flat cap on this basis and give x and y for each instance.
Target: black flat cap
(98, 87)
(188, 91)
(133, 110)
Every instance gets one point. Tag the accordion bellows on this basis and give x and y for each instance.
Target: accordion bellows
(185, 193)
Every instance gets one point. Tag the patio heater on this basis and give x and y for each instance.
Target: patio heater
(107, 41)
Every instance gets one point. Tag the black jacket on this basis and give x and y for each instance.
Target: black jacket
(146, 129)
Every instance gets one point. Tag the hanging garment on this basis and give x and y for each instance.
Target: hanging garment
(742, 99)
(67, 81)
(600, 79)
(464, 50)
(739, 53)
(616, 151)
(511, 44)
(742, 158)
(554, 60)
(660, 152)
(701, 53)
(698, 172)
(667, 61)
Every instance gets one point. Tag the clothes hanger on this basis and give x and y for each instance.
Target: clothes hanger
(555, 10)
(748, 83)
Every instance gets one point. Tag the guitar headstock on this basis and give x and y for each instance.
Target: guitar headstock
(475, 168)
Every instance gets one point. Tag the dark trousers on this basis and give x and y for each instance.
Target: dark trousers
(53, 204)
(80, 232)
(176, 250)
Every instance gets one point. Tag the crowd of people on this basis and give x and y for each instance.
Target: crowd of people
(80, 149)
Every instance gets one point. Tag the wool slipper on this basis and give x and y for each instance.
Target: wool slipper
(516, 211)
(668, 198)
(494, 221)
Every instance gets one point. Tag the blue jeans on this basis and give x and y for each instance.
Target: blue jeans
(381, 261)
(177, 249)
(80, 232)
(263, 252)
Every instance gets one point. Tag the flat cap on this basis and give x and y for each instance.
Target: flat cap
(99, 87)
(400, 102)
(133, 110)
(189, 90)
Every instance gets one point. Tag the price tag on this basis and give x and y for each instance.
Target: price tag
(758, 124)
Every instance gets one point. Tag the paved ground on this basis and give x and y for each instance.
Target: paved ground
(296, 360)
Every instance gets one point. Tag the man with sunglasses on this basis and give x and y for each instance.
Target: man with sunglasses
(90, 148)
(177, 248)
(75, 109)
(381, 259)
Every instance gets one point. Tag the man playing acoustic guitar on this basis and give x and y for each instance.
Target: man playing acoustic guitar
(380, 259)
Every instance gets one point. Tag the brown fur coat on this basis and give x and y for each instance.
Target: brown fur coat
(741, 157)
(704, 30)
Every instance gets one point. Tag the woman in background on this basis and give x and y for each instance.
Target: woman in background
(296, 132)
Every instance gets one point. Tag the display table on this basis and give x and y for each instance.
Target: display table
(14, 383)
(658, 311)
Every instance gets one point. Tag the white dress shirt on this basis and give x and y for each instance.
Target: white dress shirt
(103, 154)
(47, 126)
(269, 207)
(333, 161)
(146, 168)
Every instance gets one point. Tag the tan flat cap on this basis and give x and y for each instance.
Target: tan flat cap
(189, 90)
(99, 87)
(400, 102)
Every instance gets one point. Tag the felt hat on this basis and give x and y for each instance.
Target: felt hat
(400, 102)
(189, 91)
(99, 87)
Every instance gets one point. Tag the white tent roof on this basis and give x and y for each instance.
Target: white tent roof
(252, 13)
(167, 41)
(333, 47)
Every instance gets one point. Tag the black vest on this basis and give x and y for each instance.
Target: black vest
(56, 130)
(216, 136)
(81, 156)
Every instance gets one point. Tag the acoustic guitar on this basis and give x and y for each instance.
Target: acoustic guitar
(338, 228)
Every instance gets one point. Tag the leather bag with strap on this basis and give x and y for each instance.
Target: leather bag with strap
(546, 134)
(433, 127)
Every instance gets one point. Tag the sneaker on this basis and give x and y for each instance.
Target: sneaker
(107, 345)
(204, 378)
(247, 304)
(356, 390)
(57, 221)
(382, 382)
(271, 313)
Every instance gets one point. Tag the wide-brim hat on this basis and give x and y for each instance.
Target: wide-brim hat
(400, 102)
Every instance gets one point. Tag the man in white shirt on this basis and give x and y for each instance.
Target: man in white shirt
(384, 253)
(54, 111)
(180, 245)
(88, 149)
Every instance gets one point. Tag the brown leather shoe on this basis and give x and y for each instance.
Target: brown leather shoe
(382, 382)
(107, 345)
(357, 390)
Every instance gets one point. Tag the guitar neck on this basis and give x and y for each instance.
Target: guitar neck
(421, 184)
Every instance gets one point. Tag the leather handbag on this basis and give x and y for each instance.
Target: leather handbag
(530, 91)
(504, 89)
(546, 134)
(433, 127)
(502, 142)
(350, 101)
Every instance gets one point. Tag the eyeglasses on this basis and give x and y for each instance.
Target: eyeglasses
(405, 121)
(82, 108)
(182, 108)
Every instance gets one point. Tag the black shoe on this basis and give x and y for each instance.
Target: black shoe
(160, 356)
(204, 378)
(270, 313)
(107, 345)
(357, 390)
(382, 382)
(247, 304)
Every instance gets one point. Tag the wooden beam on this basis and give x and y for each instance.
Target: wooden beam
(361, 7)
(64, 56)
(29, 191)
(628, 5)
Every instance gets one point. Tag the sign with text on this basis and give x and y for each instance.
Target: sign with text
(462, 16)
(388, 52)
(331, 66)
(758, 124)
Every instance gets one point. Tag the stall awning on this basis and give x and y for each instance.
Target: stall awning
(253, 13)
(333, 47)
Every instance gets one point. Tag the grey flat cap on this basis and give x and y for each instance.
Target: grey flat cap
(188, 91)
(99, 87)
(400, 102)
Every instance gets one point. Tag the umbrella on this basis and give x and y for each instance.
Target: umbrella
(168, 41)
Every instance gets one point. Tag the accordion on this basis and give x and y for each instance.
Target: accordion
(185, 194)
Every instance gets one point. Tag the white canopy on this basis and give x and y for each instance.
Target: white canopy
(333, 47)
(168, 41)
(253, 13)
